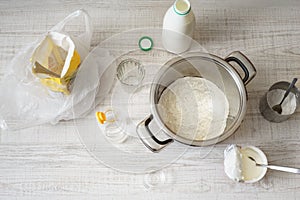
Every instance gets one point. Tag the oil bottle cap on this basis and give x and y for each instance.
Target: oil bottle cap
(107, 116)
(101, 117)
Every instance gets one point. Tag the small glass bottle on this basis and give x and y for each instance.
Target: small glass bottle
(110, 126)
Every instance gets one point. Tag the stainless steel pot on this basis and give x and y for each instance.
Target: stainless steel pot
(219, 71)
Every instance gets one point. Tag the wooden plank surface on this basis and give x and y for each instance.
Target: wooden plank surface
(49, 162)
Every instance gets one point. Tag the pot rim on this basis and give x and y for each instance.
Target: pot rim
(237, 79)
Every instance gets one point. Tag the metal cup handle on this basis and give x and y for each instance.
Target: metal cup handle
(147, 137)
(244, 63)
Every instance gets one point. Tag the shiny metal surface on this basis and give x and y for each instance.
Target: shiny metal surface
(214, 69)
(266, 109)
(278, 168)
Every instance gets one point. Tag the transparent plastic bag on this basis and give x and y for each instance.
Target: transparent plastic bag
(25, 102)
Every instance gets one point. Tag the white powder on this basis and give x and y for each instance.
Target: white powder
(288, 106)
(194, 108)
(233, 162)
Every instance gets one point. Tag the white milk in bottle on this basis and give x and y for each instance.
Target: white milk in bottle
(178, 27)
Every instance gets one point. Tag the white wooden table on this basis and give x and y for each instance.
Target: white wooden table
(49, 162)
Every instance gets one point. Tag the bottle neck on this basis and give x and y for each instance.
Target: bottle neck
(182, 7)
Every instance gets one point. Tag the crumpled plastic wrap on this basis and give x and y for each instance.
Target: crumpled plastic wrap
(25, 102)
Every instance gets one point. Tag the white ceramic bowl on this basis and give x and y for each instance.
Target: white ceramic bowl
(260, 158)
(249, 172)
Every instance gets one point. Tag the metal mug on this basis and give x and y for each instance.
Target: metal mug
(265, 106)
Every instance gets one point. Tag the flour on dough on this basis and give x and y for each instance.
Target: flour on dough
(187, 108)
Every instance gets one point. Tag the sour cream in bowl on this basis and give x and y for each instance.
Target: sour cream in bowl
(239, 167)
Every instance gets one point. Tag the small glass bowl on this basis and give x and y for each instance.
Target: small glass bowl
(154, 179)
(130, 73)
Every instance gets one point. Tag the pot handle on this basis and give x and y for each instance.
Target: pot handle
(244, 63)
(151, 142)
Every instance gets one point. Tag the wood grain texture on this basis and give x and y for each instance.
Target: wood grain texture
(49, 162)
